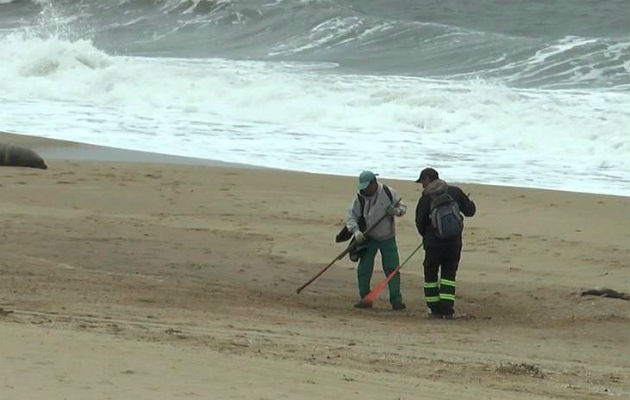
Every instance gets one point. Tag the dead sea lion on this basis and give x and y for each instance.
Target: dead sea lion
(15, 156)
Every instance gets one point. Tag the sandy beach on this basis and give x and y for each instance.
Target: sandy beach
(128, 275)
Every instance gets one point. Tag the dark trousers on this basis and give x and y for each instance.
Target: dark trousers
(441, 259)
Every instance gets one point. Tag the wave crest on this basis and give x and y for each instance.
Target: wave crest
(360, 36)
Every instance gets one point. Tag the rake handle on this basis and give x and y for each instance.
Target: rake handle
(343, 253)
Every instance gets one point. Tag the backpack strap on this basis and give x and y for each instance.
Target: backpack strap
(362, 222)
(361, 202)
(388, 193)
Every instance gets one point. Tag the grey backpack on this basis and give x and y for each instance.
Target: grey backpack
(445, 217)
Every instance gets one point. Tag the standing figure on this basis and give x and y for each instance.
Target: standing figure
(373, 201)
(440, 223)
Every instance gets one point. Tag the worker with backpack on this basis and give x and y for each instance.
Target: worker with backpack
(440, 222)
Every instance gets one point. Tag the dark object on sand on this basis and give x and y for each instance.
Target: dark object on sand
(606, 293)
(343, 235)
(14, 156)
(4, 312)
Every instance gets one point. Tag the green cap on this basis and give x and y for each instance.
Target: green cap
(365, 178)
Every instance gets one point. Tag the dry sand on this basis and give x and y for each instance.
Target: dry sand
(172, 278)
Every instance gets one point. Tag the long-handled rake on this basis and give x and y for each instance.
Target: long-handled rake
(370, 297)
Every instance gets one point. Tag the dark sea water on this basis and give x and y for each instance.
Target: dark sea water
(559, 43)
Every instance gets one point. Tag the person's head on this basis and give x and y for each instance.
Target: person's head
(427, 176)
(367, 183)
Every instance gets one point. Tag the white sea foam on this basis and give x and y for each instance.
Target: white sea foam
(306, 117)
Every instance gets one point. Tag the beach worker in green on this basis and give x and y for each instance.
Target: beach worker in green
(373, 201)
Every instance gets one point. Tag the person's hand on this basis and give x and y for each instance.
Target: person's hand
(391, 210)
(359, 237)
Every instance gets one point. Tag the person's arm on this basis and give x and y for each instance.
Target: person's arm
(401, 208)
(422, 215)
(466, 206)
(352, 223)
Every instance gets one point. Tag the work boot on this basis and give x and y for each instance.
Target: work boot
(363, 305)
(434, 315)
(398, 306)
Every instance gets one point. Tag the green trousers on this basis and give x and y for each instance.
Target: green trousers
(390, 260)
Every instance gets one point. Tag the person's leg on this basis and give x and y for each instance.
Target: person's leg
(450, 263)
(431, 284)
(365, 269)
(390, 260)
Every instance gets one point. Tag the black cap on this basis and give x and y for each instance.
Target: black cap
(428, 173)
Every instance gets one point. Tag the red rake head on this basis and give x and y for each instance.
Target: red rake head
(370, 297)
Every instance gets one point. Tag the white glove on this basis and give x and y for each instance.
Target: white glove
(359, 237)
(392, 211)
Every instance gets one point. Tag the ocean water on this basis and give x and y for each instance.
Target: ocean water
(533, 94)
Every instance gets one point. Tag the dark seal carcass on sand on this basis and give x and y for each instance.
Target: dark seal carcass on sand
(15, 156)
